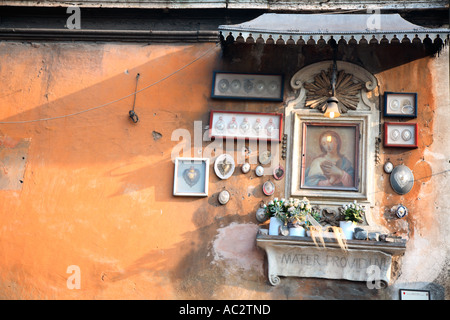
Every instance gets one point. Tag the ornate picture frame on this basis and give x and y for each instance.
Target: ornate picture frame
(247, 86)
(400, 104)
(246, 125)
(330, 156)
(401, 134)
(191, 177)
(306, 129)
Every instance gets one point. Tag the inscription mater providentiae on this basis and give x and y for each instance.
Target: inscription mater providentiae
(313, 260)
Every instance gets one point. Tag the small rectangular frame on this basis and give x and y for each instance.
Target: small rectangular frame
(247, 86)
(191, 177)
(412, 294)
(401, 134)
(400, 104)
(239, 131)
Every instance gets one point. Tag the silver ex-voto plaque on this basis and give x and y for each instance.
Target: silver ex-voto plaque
(402, 179)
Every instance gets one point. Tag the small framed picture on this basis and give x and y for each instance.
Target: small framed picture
(191, 177)
(246, 86)
(400, 104)
(400, 134)
(410, 294)
(245, 125)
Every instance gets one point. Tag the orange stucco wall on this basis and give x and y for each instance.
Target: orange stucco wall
(97, 188)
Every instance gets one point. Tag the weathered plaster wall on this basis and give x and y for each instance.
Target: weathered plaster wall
(97, 189)
(426, 263)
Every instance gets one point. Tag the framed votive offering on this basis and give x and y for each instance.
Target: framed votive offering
(401, 134)
(191, 177)
(400, 104)
(245, 125)
(247, 86)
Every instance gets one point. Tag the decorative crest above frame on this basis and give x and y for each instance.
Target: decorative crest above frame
(312, 87)
(321, 89)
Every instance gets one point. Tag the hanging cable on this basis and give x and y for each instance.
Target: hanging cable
(132, 114)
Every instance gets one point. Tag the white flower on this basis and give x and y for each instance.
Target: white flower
(275, 199)
(345, 207)
(302, 205)
(308, 207)
(270, 203)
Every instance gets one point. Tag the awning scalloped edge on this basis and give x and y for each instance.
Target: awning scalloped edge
(438, 37)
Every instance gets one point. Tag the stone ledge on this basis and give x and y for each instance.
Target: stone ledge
(393, 248)
(301, 257)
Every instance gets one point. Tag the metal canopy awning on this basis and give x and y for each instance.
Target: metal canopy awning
(321, 28)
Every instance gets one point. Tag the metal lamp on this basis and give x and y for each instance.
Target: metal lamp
(332, 110)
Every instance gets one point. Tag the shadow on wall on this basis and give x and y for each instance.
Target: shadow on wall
(107, 135)
(220, 260)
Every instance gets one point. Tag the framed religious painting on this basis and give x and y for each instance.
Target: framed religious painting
(401, 134)
(247, 86)
(191, 177)
(400, 104)
(330, 156)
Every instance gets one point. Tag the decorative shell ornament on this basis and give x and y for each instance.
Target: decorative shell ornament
(319, 91)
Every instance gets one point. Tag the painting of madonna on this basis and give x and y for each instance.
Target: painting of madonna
(329, 158)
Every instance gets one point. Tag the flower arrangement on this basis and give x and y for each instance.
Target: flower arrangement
(353, 212)
(297, 210)
(276, 208)
(293, 211)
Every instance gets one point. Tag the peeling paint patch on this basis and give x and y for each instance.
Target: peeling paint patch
(235, 244)
(13, 159)
(156, 135)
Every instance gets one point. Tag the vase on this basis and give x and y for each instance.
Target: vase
(284, 230)
(297, 232)
(274, 226)
(348, 228)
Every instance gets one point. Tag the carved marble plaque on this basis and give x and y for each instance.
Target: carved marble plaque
(297, 259)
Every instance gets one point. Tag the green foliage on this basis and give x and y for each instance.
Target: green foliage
(353, 212)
